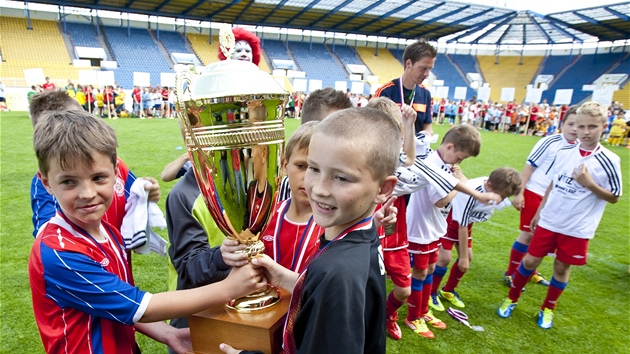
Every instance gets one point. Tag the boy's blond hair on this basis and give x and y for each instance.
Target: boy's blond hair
(505, 181)
(388, 107)
(50, 100)
(372, 132)
(594, 109)
(300, 139)
(72, 137)
(464, 138)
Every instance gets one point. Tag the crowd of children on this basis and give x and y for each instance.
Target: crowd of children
(364, 195)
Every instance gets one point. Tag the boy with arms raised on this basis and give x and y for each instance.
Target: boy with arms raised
(426, 223)
(338, 301)
(584, 177)
(464, 213)
(535, 182)
(82, 287)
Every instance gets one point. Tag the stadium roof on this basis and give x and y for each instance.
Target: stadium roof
(434, 19)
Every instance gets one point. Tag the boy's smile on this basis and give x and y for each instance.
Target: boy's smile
(83, 192)
(341, 189)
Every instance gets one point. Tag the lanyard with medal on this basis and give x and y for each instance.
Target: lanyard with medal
(412, 95)
(298, 251)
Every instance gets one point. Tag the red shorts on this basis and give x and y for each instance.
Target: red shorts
(423, 255)
(397, 266)
(568, 249)
(532, 202)
(448, 243)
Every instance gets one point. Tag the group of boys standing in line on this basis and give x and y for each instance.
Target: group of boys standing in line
(364, 195)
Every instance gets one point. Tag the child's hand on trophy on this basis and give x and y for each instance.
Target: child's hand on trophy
(245, 280)
(276, 274)
(232, 253)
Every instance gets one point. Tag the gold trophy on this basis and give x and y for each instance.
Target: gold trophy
(232, 114)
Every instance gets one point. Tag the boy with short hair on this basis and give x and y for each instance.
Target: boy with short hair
(291, 237)
(584, 178)
(338, 301)
(82, 287)
(43, 204)
(535, 182)
(426, 223)
(465, 211)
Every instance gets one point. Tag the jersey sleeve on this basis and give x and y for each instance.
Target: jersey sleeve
(77, 281)
(462, 208)
(612, 169)
(541, 150)
(43, 204)
(419, 175)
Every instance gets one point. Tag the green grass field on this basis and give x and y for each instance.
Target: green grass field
(593, 313)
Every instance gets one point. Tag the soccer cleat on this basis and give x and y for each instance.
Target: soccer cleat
(433, 321)
(545, 318)
(435, 303)
(508, 279)
(506, 308)
(392, 327)
(420, 327)
(538, 279)
(453, 298)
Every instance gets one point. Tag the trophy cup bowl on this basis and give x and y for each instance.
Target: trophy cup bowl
(232, 115)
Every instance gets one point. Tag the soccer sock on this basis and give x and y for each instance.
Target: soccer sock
(521, 277)
(426, 294)
(517, 254)
(438, 274)
(415, 300)
(454, 277)
(553, 293)
(392, 305)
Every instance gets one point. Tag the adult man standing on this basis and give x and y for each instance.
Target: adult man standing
(418, 59)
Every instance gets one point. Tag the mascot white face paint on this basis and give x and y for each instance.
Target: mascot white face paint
(242, 51)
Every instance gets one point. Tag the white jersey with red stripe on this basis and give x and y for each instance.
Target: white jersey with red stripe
(426, 223)
(572, 209)
(541, 157)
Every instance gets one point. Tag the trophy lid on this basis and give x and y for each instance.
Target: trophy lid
(234, 78)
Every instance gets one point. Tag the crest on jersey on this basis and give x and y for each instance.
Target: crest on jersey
(105, 262)
(119, 187)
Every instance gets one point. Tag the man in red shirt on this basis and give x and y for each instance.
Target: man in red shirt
(136, 94)
(48, 85)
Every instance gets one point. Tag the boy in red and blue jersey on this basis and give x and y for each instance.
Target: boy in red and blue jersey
(84, 298)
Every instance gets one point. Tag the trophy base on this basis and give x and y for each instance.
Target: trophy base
(251, 330)
(256, 301)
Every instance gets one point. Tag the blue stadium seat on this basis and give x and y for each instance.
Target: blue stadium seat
(138, 52)
(83, 35)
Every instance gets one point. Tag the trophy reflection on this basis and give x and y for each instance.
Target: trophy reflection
(232, 114)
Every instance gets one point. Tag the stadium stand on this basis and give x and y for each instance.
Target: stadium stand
(82, 35)
(137, 52)
(508, 73)
(206, 52)
(385, 65)
(276, 50)
(466, 63)
(172, 41)
(445, 70)
(623, 95)
(46, 49)
(317, 62)
(553, 65)
(584, 71)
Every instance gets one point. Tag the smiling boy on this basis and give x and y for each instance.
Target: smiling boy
(584, 178)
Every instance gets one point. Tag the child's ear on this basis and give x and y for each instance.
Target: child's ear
(45, 182)
(386, 190)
